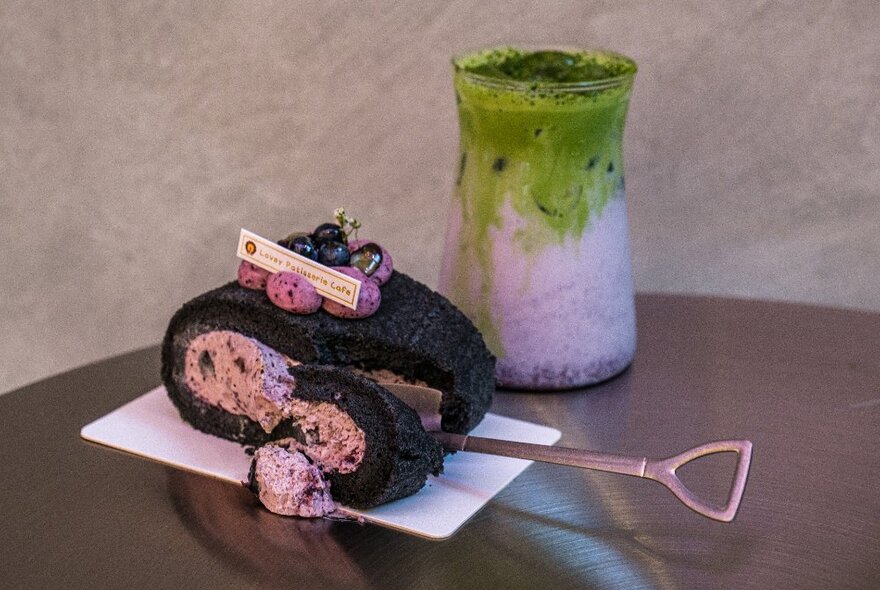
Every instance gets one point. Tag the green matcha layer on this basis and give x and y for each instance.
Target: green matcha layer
(543, 128)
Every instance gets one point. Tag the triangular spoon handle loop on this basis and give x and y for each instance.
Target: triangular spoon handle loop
(663, 471)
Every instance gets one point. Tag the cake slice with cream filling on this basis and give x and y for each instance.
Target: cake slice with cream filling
(239, 367)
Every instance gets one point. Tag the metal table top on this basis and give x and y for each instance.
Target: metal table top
(801, 382)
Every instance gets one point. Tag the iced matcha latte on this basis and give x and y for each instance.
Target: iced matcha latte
(537, 247)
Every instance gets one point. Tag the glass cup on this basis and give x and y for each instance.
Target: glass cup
(537, 243)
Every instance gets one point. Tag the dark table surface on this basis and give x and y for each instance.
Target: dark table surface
(801, 382)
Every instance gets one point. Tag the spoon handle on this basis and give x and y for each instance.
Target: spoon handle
(660, 470)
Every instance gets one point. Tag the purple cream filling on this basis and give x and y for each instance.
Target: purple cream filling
(289, 484)
(386, 376)
(245, 377)
(240, 375)
(332, 439)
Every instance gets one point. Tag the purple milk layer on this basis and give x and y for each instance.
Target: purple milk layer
(574, 319)
(569, 320)
(289, 484)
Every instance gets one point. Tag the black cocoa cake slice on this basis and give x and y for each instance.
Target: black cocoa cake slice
(416, 333)
(238, 367)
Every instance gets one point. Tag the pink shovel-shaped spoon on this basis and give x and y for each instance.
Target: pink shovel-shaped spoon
(426, 402)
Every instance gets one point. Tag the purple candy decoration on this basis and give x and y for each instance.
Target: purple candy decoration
(251, 276)
(292, 292)
(368, 301)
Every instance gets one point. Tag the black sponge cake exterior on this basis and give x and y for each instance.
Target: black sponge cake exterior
(415, 333)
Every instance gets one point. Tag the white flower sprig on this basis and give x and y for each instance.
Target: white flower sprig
(348, 224)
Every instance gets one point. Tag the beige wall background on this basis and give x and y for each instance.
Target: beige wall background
(136, 138)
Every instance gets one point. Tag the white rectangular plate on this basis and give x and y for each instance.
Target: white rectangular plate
(150, 426)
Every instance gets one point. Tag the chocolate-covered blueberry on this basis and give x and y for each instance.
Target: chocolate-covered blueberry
(304, 246)
(333, 254)
(328, 232)
(285, 242)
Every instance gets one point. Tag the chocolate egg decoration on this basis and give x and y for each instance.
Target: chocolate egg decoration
(367, 258)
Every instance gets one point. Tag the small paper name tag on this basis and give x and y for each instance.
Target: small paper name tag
(270, 256)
